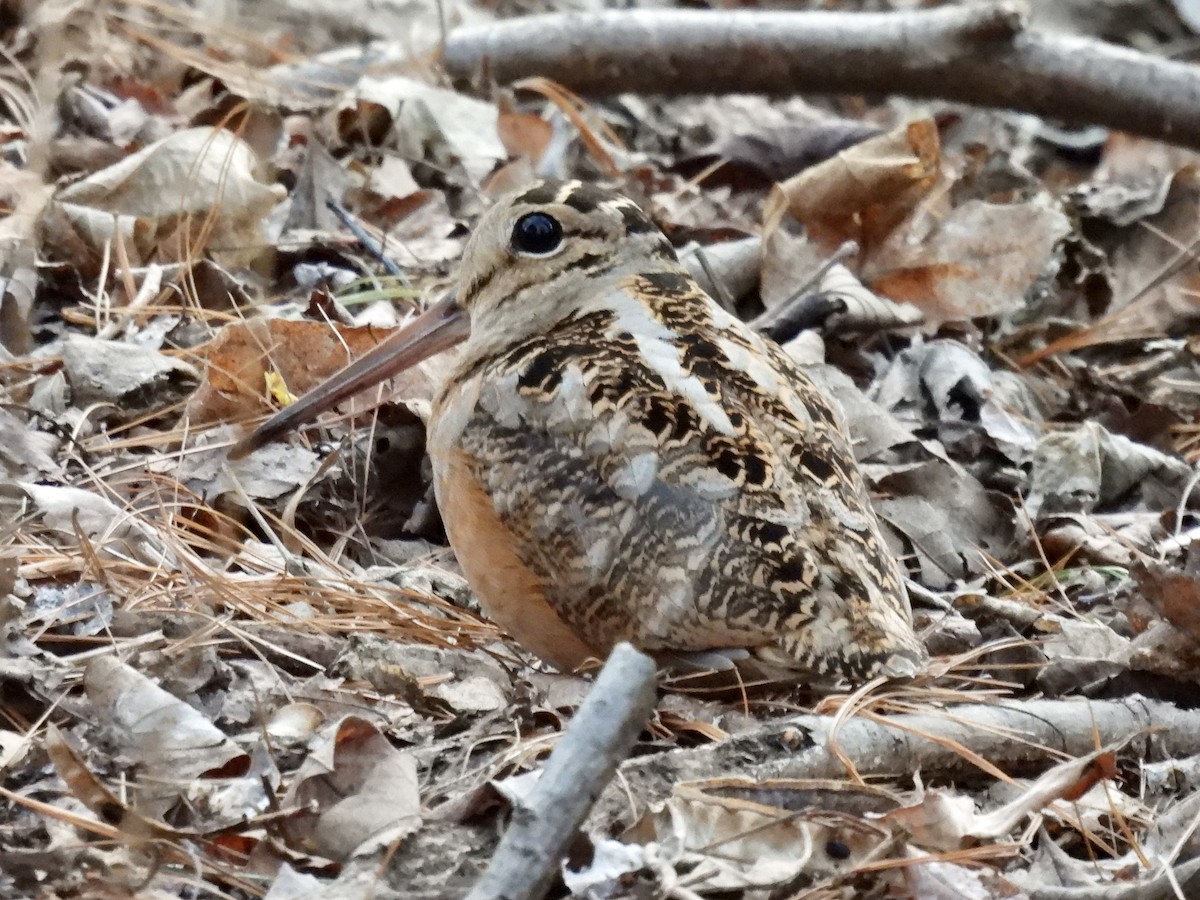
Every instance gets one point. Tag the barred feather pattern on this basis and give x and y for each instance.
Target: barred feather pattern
(666, 475)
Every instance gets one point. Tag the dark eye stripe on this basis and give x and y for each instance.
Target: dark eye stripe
(476, 287)
(595, 261)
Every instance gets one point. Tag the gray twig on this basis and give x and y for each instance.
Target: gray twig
(1019, 736)
(1160, 887)
(597, 740)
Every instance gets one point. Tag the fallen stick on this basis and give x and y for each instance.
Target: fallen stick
(1160, 887)
(981, 54)
(1017, 736)
(597, 740)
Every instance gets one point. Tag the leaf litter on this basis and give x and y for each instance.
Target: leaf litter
(268, 677)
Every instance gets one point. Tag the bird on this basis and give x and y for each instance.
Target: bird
(616, 457)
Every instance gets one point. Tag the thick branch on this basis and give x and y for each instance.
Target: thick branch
(597, 740)
(978, 54)
(897, 746)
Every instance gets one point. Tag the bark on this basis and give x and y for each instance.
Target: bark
(981, 54)
(597, 740)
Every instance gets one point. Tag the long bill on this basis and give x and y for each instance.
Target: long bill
(438, 328)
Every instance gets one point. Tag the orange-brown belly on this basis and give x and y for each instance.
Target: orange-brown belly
(510, 593)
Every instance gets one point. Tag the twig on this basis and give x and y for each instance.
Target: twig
(1009, 734)
(369, 243)
(982, 54)
(597, 740)
(1161, 887)
(806, 307)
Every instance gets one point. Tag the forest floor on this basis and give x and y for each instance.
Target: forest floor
(268, 677)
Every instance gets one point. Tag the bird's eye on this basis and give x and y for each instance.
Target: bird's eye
(537, 234)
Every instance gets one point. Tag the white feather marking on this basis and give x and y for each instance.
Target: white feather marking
(751, 363)
(636, 476)
(570, 405)
(658, 345)
(755, 365)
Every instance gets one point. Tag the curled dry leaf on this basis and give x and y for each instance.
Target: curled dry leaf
(1154, 276)
(862, 309)
(1089, 467)
(194, 190)
(725, 269)
(426, 120)
(943, 382)
(733, 833)
(92, 793)
(127, 376)
(363, 791)
(113, 532)
(1099, 539)
(174, 742)
(838, 303)
(942, 820)
(175, 746)
(294, 723)
(862, 193)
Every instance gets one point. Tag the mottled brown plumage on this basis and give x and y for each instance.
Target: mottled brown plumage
(618, 458)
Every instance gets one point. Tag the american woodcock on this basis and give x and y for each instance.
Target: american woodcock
(615, 457)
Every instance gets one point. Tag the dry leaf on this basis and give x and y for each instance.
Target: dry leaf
(862, 193)
(75, 513)
(457, 130)
(23, 195)
(126, 376)
(980, 259)
(193, 190)
(172, 741)
(298, 354)
(363, 792)
(732, 834)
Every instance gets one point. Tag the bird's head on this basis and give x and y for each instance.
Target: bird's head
(538, 255)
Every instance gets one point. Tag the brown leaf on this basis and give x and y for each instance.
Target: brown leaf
(864, 192)
(1155, 279)
(302, 353)
(980, 260)
(363, 790)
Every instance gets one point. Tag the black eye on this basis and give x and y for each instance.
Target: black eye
(537, 234)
